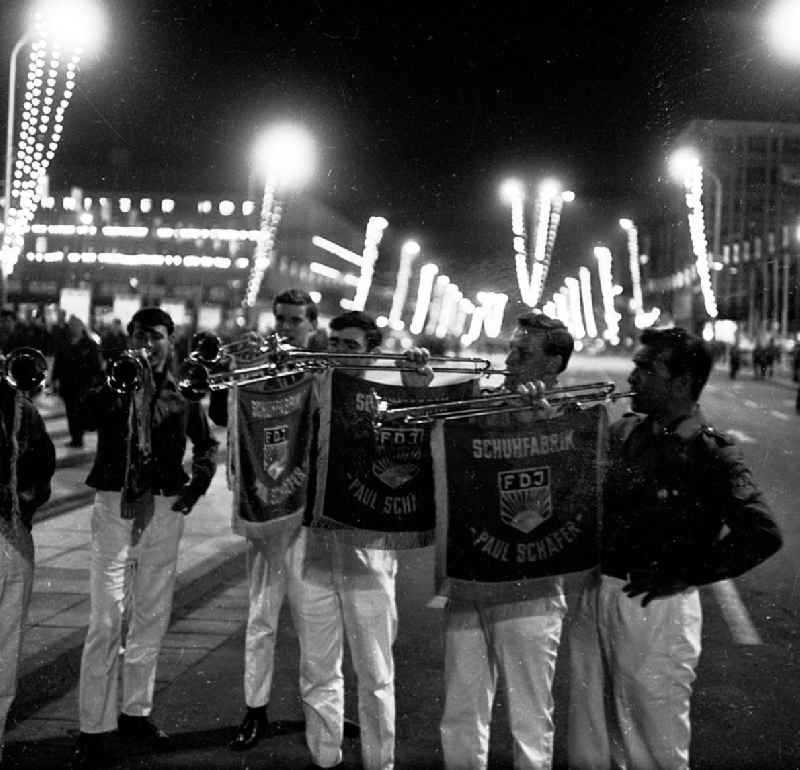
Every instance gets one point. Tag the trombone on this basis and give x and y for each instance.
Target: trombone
(208, 348)
(126, 371)
(588, 393)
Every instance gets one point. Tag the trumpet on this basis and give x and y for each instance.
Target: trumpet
(127, 370)
(588, 393)
(196, 378)
(208, 348)
(25, 369)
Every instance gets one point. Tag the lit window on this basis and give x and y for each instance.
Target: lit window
(226, 208)
(124, 205)
(167, 205)
(248, 207)
(145, 204)
(68, 204)
(203, 207)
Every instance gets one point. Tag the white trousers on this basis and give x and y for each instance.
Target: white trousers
(16, 581)
(339, 590)
(126, 571)
(631, 675)
(267, 575)
(518, 641)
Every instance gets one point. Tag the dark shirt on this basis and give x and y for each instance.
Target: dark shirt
(77, 366)
(36, 459)
(681, 504)
(174, 418)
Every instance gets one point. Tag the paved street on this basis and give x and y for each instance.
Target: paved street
(745, 706)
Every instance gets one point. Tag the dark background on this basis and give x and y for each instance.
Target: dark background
(419, 109)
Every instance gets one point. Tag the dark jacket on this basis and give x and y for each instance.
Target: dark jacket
(36, 460)
(77, 366)
(681, 504)
(174, 419)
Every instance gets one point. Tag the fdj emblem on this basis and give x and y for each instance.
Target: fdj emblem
(276, 450)
(525, 501)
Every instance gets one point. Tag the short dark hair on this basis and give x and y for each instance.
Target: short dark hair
(686, 354)
(297, 297)
(149, 317)
(557, 339)
(358, 319)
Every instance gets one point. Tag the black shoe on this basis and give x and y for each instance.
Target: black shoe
(141, 729)
(253, 728)
(89, 751)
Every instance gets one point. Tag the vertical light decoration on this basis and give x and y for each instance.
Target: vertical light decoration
(427, 274)
(610, 316)
(372, 239)
(641, 318)
(270, 218)
(585, 278)
(439, 288)
(408, 253)
(50, 83)
(693, 185)
(449, 309)
(513, 193)
(573, 295)
(494, 304)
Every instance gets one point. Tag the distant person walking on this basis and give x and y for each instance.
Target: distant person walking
(76, 368)
(734, 360)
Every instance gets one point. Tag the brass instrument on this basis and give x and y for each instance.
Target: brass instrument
(25, 369)
(208, 348)
(126, 371)
(588, 393)
(197, 378)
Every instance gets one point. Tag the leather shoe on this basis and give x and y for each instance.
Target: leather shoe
(253, 728)
(89, 751)
(141, 729)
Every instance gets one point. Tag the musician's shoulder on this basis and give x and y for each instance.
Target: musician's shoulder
(715, 436)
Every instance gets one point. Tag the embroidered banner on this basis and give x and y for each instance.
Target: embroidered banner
(376, 485)
(270, 459)
(517, 498)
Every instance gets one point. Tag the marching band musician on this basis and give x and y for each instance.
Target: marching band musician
(337, 590)
(142, 496)
(681, 510)
(516, 641)
(27, 463)
(296, 320)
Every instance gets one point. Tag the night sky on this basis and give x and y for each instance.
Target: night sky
(419, 109)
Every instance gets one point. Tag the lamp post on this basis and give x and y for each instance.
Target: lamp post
(72, 26)
(285, 155)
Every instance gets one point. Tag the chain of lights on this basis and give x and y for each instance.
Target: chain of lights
(539, 276)
(610, 316)
(448, 310)
(693, 185)
(494, 304)
(372, 239)
(520, 244)
(408, 253)
(585, 278)
(437, 298)
(271, 210)
(40, 130)
(427, 274)
(573, 295)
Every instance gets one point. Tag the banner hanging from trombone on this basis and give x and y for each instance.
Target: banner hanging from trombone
(517, 499)
(375, 484)
(269, 464)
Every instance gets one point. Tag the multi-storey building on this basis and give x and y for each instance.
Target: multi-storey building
(190, 252)
(751, 203)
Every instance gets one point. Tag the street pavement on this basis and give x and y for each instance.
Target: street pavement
(199, 697)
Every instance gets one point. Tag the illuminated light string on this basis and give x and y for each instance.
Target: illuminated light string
(642, 318)
(555, 205)
(610, 316)
(590, 323)
(271, 210)
(408, 253)
(437, 298)
(448, 310)
(40, 129)
(573, 294)
(427, 274)
(693, 185)
(372, 239)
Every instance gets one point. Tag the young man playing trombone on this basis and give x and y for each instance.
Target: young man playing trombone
(513, 641)
(142, 495)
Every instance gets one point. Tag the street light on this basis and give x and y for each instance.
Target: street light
(73, 25)
(285, 155)
(783, 29)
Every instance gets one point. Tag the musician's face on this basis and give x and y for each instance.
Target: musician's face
(349, 340)
(292, 322)
(652, 382)
(527, 361)
(155, 340)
